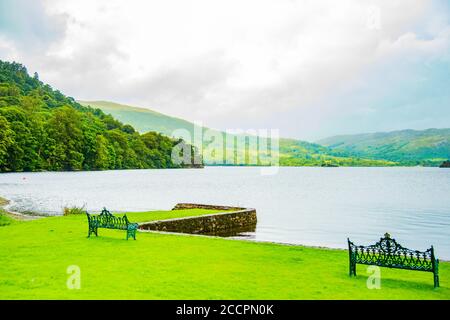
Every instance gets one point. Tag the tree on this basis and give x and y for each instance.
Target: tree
(102, 160)
(64, 128)
(5, 140)
(42, 129)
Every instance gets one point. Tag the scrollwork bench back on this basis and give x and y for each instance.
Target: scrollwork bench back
(389, 253)
(107, 220)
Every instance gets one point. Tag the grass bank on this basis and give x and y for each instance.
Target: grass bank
(35, 255)
(5, 218)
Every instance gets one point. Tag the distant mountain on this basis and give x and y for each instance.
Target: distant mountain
(143, 120)
(292, 152)
(409, 147)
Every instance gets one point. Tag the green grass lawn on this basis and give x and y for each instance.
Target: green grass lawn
(5, 219)
(35, 255)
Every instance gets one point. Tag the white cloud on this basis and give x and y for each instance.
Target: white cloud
(7, 49)
(216, 61)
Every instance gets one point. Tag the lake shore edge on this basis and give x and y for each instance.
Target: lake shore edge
(5, 203)
(29, 217)
(33, 216)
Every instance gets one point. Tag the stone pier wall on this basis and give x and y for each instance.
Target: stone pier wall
(239, 218)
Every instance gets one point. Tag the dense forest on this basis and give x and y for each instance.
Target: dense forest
(42, 129)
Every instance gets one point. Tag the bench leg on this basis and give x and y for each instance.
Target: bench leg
(131, 234)
(436, 280)
(92, 230)
(351, 260)
(436, 273)
(351, 267)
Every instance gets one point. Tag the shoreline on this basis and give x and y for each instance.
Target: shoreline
(29, 217)
(245, 239)
(221, 166)
(5, 203)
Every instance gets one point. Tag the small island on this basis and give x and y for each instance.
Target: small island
(329, 165)
(445, 164)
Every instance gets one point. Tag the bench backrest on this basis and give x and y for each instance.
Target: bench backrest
(107, 220)
(388, 253)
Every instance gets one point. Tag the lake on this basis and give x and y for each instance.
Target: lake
(310, 206)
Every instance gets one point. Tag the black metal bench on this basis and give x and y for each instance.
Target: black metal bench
(388, 253)
(107, 220)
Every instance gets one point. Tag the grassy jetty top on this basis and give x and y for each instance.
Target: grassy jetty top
(35, 256)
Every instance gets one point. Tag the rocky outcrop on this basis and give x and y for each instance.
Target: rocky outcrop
(212, 224)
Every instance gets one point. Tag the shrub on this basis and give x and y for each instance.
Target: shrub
(74, 210)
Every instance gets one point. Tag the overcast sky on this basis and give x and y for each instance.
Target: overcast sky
(309, 68)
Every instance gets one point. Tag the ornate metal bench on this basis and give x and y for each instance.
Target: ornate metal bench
(388, 253)
(106, 220)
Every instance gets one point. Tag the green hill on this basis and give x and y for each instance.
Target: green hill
(42, 129)
(143, 120)
(410, 147)
(301, 153)
(407, 147)
(292, 152)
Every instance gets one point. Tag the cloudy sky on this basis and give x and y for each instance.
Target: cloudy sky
(309, 68)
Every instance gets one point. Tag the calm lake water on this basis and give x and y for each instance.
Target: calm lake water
(310, 206)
